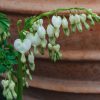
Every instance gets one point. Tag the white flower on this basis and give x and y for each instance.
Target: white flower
(44, 43)
(30, 36)
(64, 23)
(37, 24)
(83, 17)
(5, 83)
(56, 47)
(72, 19)
(14, 94)
(56, 21)
(23, 58)
(8, 94)
(77, 18)
(50, 46)
(36, 40)
(31, 58)
(50, 30)
(90, 17)
(41, 32)
(22, 46)
(57, 32)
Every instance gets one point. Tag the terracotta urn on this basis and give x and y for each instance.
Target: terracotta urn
(79, 69)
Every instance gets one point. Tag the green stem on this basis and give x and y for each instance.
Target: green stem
(49, 13)
(20, 81)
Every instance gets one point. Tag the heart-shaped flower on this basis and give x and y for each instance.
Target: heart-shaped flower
(37, 24)
(41, 32)
(72, 19)
(22, 46)
(64, 23)
(83, 20)
(83, 17)
(31, 58)
(36, 40)
(77, 18)
(57, 32)
(56, 21)
(50, 30)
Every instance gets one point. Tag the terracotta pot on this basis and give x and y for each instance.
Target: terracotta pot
(79, 69)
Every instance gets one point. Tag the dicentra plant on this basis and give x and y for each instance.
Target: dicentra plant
(17, 61)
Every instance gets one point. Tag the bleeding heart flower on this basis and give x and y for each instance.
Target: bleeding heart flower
(77, 18)
(41, 32)
(50, 30)
(83, 19)
(72, 19)
(35, 39)
(50, 46)
(56, 47)
(22, 46)
(37, 24)
(64, 23)
(57, 32)
(31, 58)
(56, 21)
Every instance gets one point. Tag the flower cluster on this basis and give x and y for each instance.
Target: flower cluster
(36, 36)
(9, 89)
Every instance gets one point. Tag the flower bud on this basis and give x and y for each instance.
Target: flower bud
(36, 50)
(31, 58)
(56, 47)
(50, 30)
(32, 66)
(83, 17)
(11, 85)
(5, 83)
(14, 94)
(56, 21)
(44, 43)
(50, 46)
(36, 24)
(9, 95)
(28, 73)
(41, 32)
(92, 21)
(23, 58)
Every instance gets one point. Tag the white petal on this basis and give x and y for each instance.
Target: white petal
(56, 21)
(64, 23)
(31, 58)
(36, 40)
(77, 18)
(41, 32)
(50, 30)
(72, 19)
